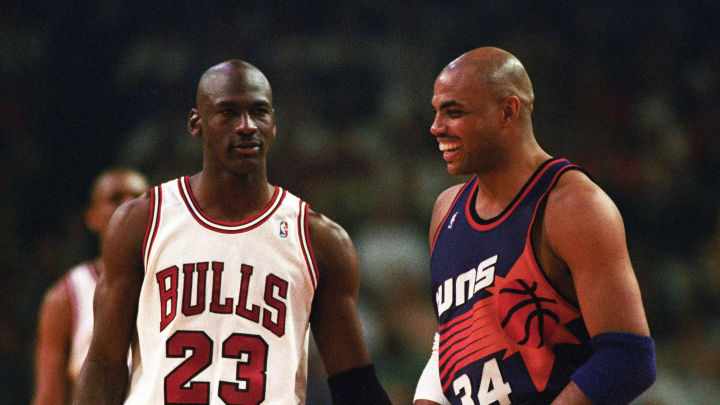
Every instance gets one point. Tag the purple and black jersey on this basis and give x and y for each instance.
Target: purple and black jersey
(506, 335)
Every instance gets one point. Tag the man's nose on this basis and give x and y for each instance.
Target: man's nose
(246, 124)
(438, 126)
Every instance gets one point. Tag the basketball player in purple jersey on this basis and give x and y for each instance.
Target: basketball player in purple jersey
(66, 316)
(214, 279)
(532, 284)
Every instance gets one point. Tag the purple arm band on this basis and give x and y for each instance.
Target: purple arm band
(620, 369)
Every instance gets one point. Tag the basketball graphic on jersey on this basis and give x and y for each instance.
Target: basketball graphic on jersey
(528, 317)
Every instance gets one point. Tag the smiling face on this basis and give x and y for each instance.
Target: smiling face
(234, 117)
(467, 121)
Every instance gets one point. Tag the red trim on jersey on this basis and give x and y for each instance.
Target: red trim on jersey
(237, 227)
(447, 214)
(151, 216)
(305, 245)
(494, 223)
(459, 331)
(153, 221)
(528, 243)
(450, 326)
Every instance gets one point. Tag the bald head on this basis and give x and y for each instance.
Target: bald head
(230, 74)
(499, 71)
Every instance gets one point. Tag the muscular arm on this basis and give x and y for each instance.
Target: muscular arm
(53, 348)
(104, 376)
(585, 230)
(334, 318)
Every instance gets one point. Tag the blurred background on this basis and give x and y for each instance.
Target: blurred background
(627, 90)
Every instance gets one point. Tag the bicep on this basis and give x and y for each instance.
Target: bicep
(334, 319)
(53, 345)
(587, 233)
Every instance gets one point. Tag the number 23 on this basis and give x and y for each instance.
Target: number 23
(249, 350)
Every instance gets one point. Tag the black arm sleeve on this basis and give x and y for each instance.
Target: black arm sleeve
(357, 386)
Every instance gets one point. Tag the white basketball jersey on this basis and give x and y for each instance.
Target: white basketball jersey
(224, 307)
(80, 282)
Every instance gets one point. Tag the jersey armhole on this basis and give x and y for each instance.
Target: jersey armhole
(447, 214)
(305, 245)
(153, 222)
(541, 206)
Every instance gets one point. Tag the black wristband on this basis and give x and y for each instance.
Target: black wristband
(357, 386)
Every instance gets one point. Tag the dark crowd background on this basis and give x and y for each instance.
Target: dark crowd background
(627, 90)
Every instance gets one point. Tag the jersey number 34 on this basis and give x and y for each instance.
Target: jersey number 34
(492, 389)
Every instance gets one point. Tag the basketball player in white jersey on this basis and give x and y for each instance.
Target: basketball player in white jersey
(215, 279)
(66, 316)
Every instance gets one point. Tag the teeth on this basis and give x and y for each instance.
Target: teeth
(448, 146)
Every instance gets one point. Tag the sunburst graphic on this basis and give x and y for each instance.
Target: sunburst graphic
(522, 315)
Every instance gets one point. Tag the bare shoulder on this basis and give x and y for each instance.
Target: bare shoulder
(334, 253)
(442, 205)
(578, 200)
(57, 294)
(327, 237)
(133, 212)
(56, 303)
(445, 199)
(579, 214)
(126, 232)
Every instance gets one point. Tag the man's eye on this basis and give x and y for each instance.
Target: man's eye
(259, 112)
(454, 113)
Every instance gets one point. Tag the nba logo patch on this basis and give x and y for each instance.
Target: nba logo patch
(283, 229)
(452, 220)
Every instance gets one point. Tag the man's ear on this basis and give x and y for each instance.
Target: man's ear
(510, 109)
(194, 123)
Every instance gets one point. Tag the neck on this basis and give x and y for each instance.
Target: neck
(498, 186)
(231, 197)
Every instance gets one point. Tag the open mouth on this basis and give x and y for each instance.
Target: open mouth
(449, 146)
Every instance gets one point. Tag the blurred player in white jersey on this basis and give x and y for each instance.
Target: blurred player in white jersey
(66, 316)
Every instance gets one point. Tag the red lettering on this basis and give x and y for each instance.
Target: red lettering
(253, 313)
(188, 269)
(274, 283)
(273, 311)
(168, 294)
(215, 305)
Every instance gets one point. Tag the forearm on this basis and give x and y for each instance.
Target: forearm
(101, 383)
(571, 395)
